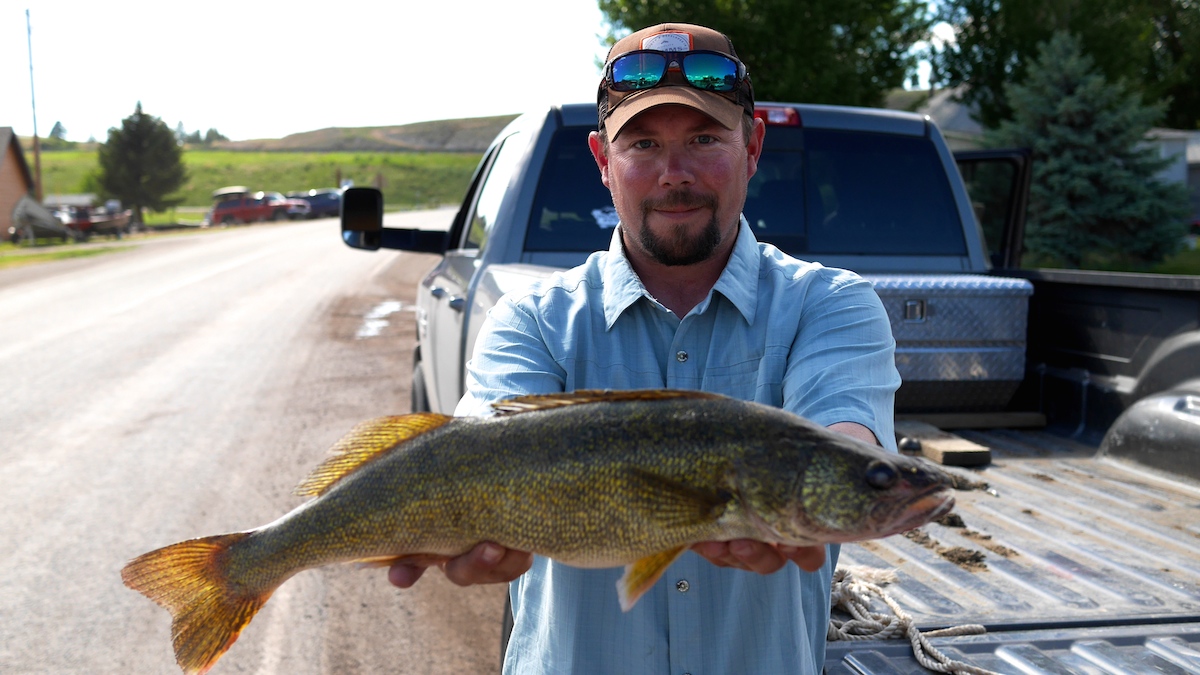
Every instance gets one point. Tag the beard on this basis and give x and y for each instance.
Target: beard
(681, 245)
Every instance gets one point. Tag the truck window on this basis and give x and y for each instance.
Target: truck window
(491, 193)
(817, 191)
(879, 194)
(572, 210)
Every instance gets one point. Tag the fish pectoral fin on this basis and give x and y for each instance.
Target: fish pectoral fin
(365, 442)
(671, 503)
(416, 559)
(640, 576)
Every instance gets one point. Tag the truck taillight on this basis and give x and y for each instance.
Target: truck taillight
(778, 115)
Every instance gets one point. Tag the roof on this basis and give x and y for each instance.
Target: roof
(231, 190)
(84, 199)
(6, 137)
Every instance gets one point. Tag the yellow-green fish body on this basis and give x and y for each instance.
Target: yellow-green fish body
(592, 479)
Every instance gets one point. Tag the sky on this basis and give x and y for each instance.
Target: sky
(269, 68)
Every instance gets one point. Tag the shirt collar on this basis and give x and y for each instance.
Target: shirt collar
(738, 281)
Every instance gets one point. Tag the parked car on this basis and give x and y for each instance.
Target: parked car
(296, 209)
(323, 202)
(235, 204)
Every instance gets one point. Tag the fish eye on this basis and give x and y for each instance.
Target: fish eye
(881, 475)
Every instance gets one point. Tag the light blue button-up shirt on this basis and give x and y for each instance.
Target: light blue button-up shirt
(810, 339)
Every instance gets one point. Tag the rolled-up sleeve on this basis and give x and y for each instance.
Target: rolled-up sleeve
(842, 362)
(510, 358)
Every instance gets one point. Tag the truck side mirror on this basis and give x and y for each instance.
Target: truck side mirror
(362, 218)
(362, 226)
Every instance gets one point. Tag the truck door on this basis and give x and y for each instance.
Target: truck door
(450, 283)
(998, 184)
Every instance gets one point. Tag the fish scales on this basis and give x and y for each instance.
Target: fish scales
(557, 483)
(592, 479)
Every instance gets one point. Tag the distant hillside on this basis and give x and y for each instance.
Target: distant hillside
(462, 135)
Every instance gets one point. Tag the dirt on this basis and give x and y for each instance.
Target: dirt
(971, 560)
(966, 558)
(951, 520)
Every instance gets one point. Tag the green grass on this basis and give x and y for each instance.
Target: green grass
(409, 179)
(15, 256)
(1184, 262)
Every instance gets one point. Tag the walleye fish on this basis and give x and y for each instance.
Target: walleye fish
(592, 479)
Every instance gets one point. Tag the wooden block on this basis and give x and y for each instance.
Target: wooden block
(940, 446)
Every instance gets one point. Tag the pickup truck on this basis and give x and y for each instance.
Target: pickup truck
(1074, 396)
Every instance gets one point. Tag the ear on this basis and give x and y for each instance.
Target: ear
(754, 147)
(599, 154)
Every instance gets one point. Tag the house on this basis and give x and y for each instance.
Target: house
(16, 180)
(962, 132)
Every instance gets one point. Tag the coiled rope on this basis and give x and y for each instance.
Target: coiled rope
(853, 588)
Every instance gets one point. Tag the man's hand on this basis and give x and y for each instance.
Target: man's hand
(756, 556)
(487, 563)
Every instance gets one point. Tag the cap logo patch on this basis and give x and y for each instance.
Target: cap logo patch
(673, 41)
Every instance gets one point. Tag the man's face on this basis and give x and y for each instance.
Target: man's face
(678, 181)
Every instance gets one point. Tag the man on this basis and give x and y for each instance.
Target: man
(684, 298)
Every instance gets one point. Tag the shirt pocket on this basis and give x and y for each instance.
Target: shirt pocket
(747, 372)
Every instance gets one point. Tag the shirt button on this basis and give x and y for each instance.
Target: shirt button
(681, 356)
(682, 586)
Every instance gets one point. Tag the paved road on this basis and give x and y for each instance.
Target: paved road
(182, 388)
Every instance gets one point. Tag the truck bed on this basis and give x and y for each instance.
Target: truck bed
(1075, 563)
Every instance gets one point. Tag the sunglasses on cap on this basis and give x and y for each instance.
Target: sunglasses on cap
(646, 68)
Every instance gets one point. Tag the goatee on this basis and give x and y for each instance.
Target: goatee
(682, 245)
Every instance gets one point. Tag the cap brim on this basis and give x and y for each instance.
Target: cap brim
(724, 111)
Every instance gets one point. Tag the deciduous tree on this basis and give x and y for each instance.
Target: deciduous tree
(1094, 199)
(849, 52)
(1154, 45)
(141, 164)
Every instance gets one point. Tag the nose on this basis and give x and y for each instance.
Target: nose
(677, 168)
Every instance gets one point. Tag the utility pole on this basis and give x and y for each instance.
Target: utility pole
(37, 148)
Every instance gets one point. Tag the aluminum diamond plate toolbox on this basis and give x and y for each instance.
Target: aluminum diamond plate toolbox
(960, 339)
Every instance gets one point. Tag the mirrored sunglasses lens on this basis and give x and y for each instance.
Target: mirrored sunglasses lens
(637, 71)
(710, 72)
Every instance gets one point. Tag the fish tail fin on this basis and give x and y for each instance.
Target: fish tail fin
(190, 580)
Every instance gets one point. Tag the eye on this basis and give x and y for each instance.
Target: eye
(881, 475)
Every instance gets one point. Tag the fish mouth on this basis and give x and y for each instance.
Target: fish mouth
(923, 509)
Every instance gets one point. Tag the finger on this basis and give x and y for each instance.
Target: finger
(487, 563)
(716, 552)
(757, 556)
(404, 575)
(807, 558)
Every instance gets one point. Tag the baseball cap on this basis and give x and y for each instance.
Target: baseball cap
(615, 108)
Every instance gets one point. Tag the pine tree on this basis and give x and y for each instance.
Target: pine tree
(1094, 197)
(141, 164)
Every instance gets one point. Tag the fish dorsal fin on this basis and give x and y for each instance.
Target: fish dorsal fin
(365, 442)
(532, 402)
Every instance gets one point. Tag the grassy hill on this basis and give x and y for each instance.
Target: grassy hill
(462, 135)
(416, 165)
